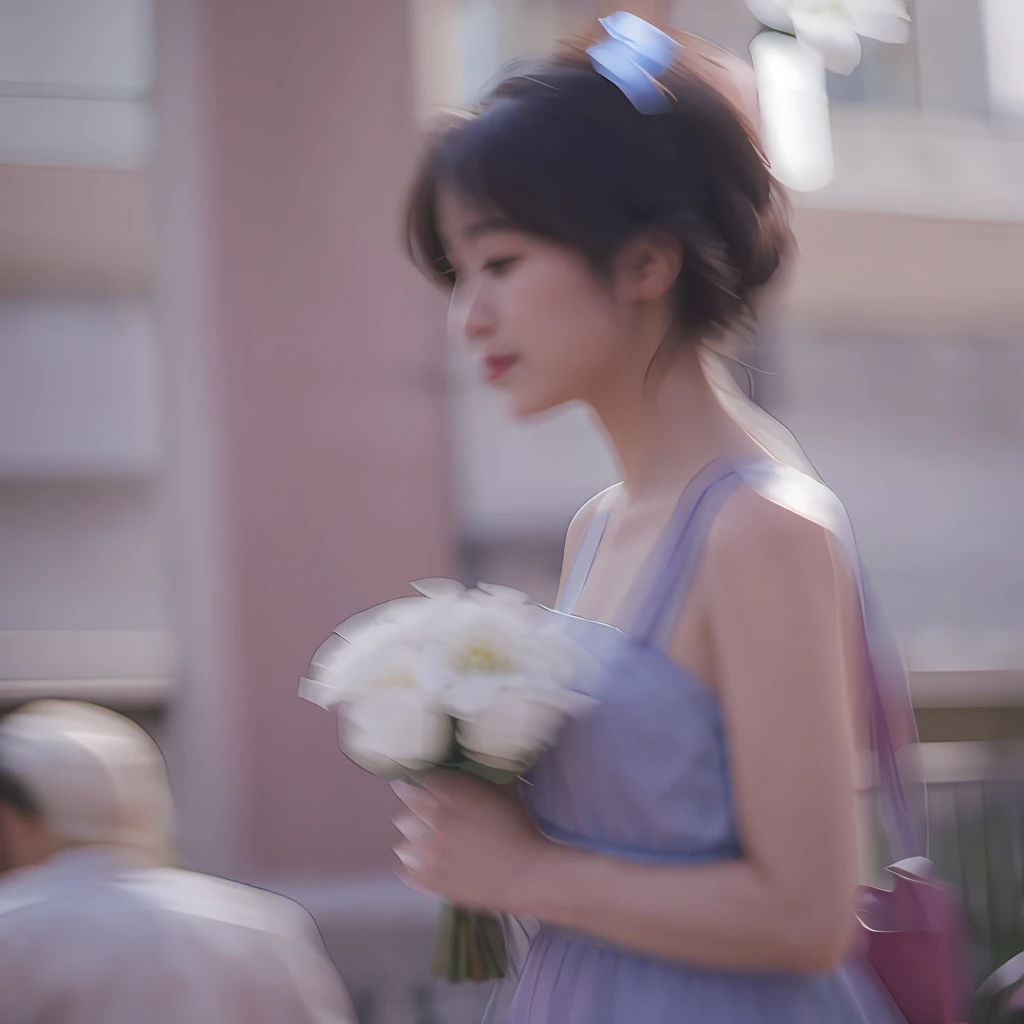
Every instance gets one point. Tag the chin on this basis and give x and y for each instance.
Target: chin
(524, 407)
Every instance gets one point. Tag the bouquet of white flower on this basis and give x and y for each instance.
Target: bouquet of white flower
(455, 679)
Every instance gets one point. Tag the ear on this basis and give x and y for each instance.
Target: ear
(649, 265)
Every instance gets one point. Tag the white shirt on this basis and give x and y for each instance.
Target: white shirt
(97, 936)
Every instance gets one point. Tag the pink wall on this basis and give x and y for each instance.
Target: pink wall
(325, 392)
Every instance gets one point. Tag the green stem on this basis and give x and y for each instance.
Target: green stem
(469, 947)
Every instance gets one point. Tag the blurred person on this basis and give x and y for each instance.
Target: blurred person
(687, 852)
(95, 928)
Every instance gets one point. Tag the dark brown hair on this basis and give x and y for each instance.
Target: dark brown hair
(561, 153)
(14, 793)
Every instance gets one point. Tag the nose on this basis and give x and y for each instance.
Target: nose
(472, 312)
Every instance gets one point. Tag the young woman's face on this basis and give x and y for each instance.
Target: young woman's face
(543, 327)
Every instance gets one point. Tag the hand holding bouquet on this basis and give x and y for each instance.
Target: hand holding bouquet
(455, 679)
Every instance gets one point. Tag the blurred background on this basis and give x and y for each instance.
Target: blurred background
(229, 416)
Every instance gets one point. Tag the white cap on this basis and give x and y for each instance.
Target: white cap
(96, 776)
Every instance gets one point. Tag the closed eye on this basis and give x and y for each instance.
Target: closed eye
(499, 266)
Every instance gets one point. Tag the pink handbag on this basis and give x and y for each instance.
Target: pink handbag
(914, 934)
(914, 942)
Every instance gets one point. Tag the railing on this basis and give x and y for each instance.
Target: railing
(976, 810)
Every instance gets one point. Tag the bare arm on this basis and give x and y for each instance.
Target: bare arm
(774, 597)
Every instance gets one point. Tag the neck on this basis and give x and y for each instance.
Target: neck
(666, 426)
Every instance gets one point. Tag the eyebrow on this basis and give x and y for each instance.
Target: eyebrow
(488, 225)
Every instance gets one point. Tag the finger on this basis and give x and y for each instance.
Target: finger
(411, 860)
(418, 801)
(402, 789)
(413, 827)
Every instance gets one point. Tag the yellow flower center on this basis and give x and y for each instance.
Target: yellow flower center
(396, 679)
(481, 656)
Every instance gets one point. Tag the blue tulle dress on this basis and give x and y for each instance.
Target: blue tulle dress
(645, 776)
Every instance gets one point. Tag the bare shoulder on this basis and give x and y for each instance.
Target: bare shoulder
(782, 609)
(760, 544)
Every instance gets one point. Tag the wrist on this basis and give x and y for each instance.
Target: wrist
(536, 880)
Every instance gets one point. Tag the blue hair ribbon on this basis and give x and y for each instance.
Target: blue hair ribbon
(632, 57)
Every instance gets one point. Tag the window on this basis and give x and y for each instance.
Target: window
(1003, 22)
(75, 79)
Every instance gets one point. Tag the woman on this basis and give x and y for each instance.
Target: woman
(689, 848)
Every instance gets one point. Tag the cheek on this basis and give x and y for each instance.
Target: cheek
(570, 328)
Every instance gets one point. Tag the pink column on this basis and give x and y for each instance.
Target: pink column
(308, 470)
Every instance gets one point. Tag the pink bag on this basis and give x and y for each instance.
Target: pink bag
(915, 937)
(914, 941)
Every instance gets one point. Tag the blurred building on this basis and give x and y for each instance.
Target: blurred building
(229, 416)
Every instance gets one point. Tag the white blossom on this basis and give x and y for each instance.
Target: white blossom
(833, 28)
(394, 731)
(486, 668)
(511, 730)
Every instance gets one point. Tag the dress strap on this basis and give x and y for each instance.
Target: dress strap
(666, 583)
(583, 559)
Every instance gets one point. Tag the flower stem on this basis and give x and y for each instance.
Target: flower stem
(470, 946)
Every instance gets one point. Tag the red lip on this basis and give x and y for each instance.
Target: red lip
(495, 367)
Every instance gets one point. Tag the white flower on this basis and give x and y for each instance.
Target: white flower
(512, 675)
(505, 595)
(399, 666)
(396, 730)
(491, 645)
(510, 730)
(832, 28)
(485, 667)
(358, 656)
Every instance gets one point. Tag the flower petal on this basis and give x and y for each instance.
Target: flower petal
(510, 732)
(388, 611)
(772, 13)
(830, 35)
(329, 657)
(321, 694)
(508, 594)
(438, 586)
(887, 22)
(395, 728)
